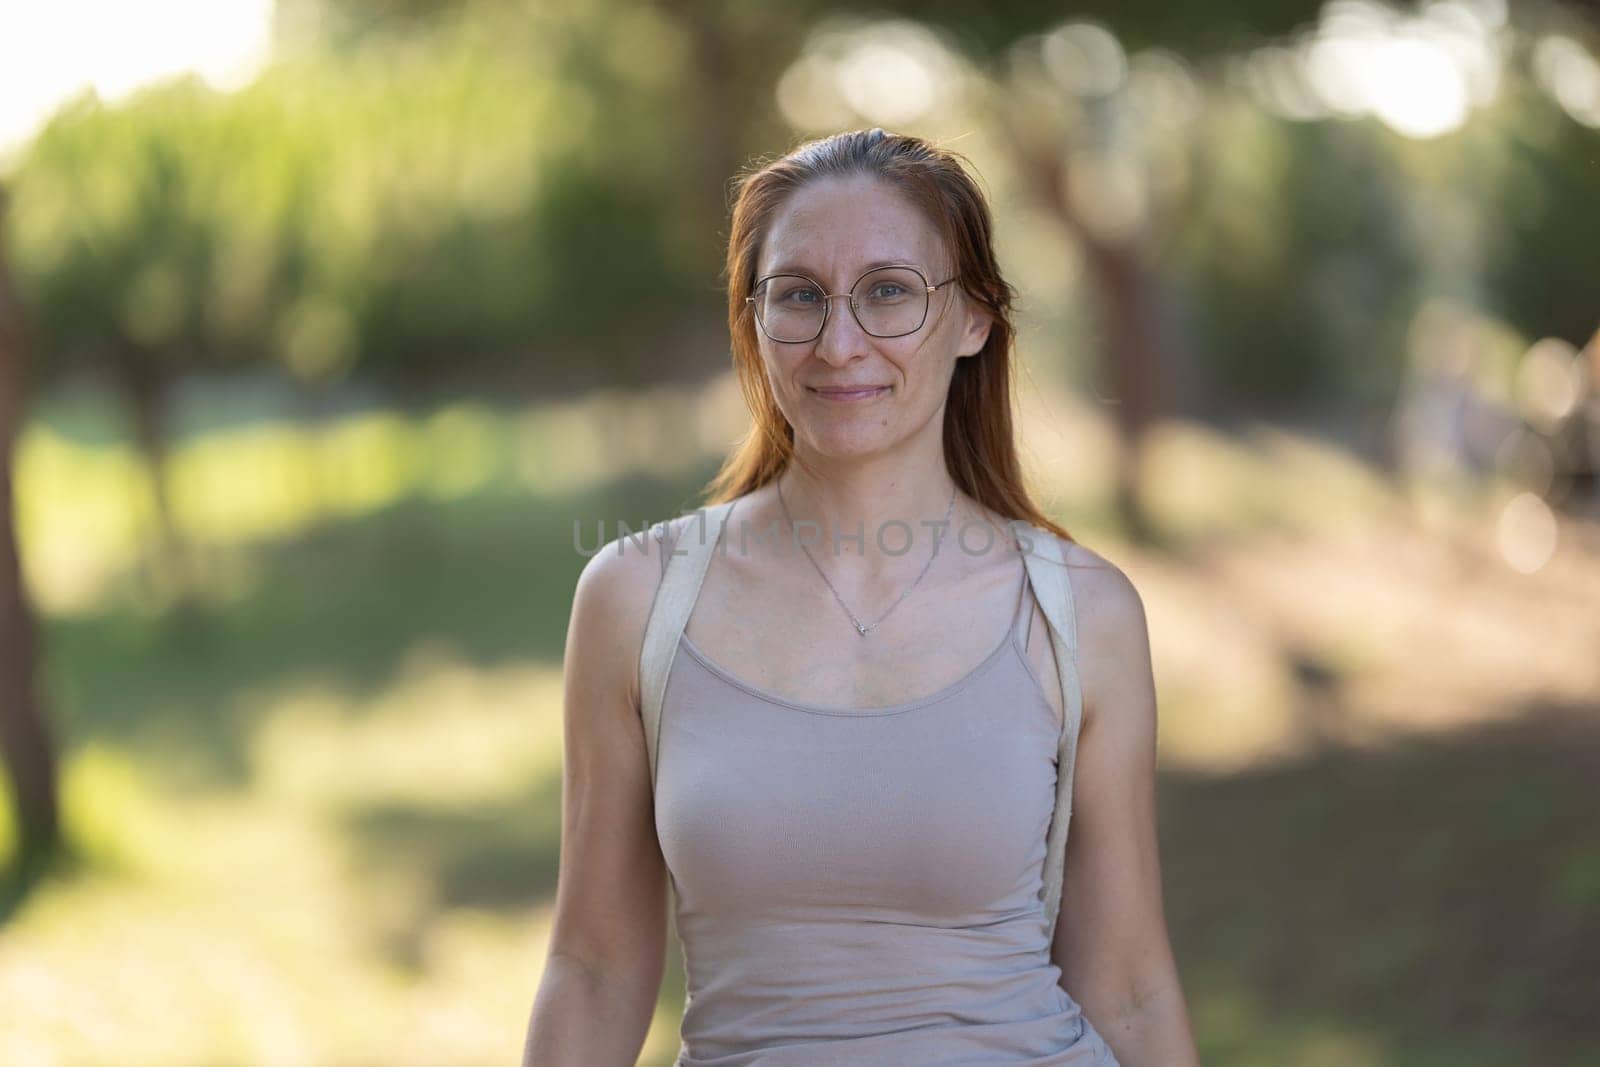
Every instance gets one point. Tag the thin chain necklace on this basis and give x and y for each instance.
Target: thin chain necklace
(862, 627)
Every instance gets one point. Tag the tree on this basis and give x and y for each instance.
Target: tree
(25, 743)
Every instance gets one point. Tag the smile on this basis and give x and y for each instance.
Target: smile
(850, 395)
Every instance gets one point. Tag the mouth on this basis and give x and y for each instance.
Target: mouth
(851, 393)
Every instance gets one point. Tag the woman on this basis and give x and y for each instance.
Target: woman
(853, 779)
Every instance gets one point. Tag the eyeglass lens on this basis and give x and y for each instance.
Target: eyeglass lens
(889, 302)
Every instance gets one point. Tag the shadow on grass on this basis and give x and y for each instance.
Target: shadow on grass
(27, 872)
(492, 575)
(1442, 895)
(501, 856)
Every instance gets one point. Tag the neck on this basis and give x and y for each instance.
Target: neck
(879, 499)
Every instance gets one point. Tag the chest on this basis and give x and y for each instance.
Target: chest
(802, 649)
(937, 813)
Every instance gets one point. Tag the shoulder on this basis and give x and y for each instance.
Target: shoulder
(1113, 640)
(628, 565)
(1113, 654)
(612, 600)
(1103, 596)
(1110, 609)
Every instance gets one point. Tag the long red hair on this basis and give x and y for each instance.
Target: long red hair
(979, 444)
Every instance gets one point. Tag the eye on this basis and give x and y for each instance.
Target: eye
(796, 293)
(885, 291)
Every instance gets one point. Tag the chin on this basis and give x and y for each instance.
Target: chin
(842, 443)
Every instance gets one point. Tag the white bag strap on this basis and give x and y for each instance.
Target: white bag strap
(689, 557)
(1045, 558)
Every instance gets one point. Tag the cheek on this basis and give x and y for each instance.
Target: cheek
(780, 368)
(924, 366)
(786, 392)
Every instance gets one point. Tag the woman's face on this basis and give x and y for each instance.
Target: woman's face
(834, 230)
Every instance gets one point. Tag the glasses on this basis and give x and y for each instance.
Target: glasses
(886, 301)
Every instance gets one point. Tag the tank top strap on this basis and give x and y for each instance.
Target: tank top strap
(1022, 614)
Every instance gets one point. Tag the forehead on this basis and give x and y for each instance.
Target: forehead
(839, 227)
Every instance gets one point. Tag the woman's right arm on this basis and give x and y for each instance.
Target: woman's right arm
(603, 971)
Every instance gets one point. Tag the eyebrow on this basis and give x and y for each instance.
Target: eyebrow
(790, 268)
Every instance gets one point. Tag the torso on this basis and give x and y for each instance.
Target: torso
(770, 619)
(857, 850)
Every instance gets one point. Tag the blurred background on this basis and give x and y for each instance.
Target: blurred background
(322, 322)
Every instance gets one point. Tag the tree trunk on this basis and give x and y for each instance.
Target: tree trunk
(714, 93)
(148, 392)
(1131, 356)
(25, 741)
(1132, 364)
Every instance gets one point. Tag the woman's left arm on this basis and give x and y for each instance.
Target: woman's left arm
(1111, 940)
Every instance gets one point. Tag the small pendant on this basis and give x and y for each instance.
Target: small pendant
(861, 627)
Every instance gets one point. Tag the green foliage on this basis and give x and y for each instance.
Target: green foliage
(411, 206)
(1300, 260)
(1542, 252)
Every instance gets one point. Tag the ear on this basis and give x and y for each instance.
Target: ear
(976, 334)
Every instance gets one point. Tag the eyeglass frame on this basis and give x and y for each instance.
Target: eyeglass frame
(828, 298)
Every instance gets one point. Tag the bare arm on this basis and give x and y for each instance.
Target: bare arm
(608, 937)
(1111, 941)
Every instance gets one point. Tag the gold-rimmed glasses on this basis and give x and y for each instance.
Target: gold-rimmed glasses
(888, 301)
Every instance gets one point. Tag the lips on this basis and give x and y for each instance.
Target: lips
(847, 390)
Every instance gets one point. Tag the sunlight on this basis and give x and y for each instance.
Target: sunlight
(890, 73)
(1417, 88)
(1419, 75)
(1549, 383)
(1404, 77)
(1086, 59)
(887, 81)
(1526, 533)
(50, 50)
(1570, 75)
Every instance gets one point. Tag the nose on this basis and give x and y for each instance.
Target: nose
(842, 336)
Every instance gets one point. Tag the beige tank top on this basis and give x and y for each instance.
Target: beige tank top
(864, 886)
